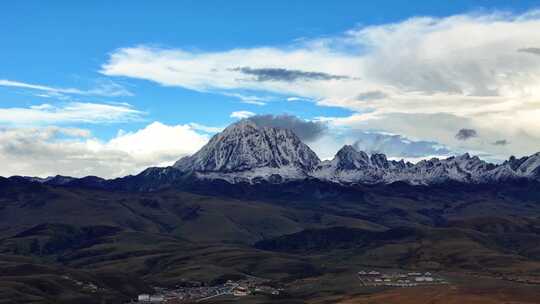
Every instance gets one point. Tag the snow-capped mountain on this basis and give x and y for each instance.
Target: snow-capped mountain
(247, 152)
(353, 166)
(350, 165)
(463, 168)
(525, 167)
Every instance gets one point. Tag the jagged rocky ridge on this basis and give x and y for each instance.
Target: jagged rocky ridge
(248, 153)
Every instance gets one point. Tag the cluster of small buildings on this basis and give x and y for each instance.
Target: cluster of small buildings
(203, 293)
(183, 294)
(145, 298)
(85, 286)
(410, 279)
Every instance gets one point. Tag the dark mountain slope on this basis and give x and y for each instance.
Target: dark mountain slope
(436, 249)
(25, 205)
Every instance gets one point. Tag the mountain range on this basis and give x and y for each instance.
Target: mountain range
(246, 152)
(258, 202)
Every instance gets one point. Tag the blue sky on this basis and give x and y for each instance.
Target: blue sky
(62, 61)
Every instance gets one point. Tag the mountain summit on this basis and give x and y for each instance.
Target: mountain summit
(247, 149)
(247, 152)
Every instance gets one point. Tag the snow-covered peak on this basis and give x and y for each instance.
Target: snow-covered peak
(246, 146)
(530, 165)
(350, 165)
(524, 167)
(249, 152)
(348, 158)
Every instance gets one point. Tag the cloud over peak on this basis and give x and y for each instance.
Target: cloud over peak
(305, 130)
(241, 114)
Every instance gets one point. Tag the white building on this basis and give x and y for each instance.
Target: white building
(143, 298)
(240, 291)
(423, 279)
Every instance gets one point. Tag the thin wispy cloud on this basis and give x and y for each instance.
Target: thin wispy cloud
(72, 112)
(204, 128)
(296, 98)
(241, 114)
(249, 99)
(108, 89)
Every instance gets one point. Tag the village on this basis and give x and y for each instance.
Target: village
(372, 278)
(255, 286)
(197, 294)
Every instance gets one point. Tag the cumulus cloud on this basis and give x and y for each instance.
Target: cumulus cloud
(424, 66)
(241, 114)
(49, 151)
(282, 74)
(72, 112)
(465, 134)
(305, 130)
(105, 88)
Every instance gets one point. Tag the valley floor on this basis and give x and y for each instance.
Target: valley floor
(452, 295)
(347, 288)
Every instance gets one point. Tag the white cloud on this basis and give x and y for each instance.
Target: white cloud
(158, 143)
(396, 145)
(241, 114)
(72, 112)
(468, 70)
(53, 150)
(249, 99)
(219, 71)
(105, 88)
(295, 98)
(205, 129)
